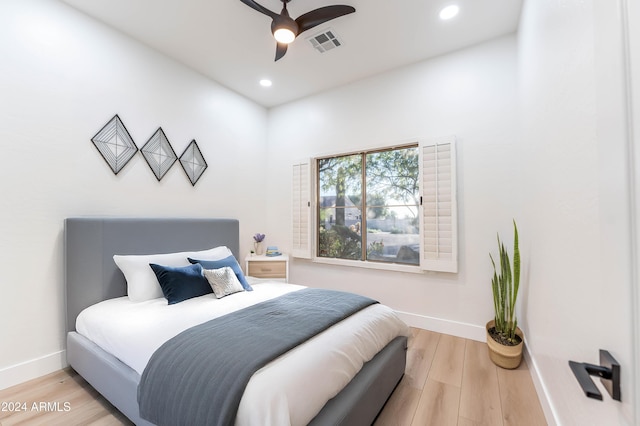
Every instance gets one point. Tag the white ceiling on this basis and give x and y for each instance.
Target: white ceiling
(232, 43)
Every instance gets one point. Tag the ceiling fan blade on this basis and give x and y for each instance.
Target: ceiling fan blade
(281, 49)
(255, 6)
(321, 15)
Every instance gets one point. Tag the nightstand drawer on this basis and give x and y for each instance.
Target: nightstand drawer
(273, 269)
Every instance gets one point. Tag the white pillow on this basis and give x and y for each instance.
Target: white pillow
(142, 283)
(223, 281)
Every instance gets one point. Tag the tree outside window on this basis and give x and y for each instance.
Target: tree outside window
(385, 186)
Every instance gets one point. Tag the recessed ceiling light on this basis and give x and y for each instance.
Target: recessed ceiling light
(265, 82)
(449, 12)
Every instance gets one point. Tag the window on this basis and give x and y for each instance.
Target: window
(388, 206)
(368, 206)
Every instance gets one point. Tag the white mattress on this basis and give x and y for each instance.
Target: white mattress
(278, 394)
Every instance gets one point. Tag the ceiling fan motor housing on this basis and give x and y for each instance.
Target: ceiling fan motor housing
(284, 21)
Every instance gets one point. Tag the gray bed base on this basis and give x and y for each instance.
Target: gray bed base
(92, 276)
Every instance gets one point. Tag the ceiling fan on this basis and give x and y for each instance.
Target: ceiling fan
(285, 29)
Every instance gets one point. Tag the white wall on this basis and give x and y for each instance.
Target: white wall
(62, 77)
(633, 72)
(541, 125)
(470, 93)
(575, 201)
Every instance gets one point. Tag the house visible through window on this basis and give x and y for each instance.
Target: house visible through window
(368, 206)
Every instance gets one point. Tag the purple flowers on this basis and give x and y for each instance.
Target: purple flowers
(258, 237)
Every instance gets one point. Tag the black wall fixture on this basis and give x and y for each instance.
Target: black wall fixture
(192, 162)
(608, 371)
(115, 144)
(159, 153)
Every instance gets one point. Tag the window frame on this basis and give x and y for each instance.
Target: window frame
(363, 200)
(445, 181)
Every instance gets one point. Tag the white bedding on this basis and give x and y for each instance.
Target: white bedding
(291, 390)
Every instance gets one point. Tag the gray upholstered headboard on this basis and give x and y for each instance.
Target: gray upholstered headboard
(90, 243)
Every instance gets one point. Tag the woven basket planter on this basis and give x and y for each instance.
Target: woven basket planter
(508, 357)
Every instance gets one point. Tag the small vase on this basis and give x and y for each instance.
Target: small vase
(258, 248)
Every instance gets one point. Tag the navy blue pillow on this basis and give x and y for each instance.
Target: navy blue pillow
(231, 262)
(182, 282)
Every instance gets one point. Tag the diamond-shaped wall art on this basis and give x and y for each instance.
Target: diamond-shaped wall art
(115, 144)
(193, 162)
(159, 154)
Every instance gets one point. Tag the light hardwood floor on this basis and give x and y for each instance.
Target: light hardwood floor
(452, 381)
(448, 381)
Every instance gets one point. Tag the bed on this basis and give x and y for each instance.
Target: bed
(92, 277)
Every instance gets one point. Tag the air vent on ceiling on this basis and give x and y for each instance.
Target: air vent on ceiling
(325, 41)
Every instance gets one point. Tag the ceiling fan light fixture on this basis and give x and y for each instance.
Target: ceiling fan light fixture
(285, 29)
(284, 35)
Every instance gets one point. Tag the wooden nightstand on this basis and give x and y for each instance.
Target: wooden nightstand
(271, 267)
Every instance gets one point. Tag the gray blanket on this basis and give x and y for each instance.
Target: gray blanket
(199, 376)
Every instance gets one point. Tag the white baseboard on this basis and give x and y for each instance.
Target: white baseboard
(549, 412)
(19, 373)
(454, 328)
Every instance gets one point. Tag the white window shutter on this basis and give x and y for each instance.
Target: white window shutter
(301, 215)
(438, 210)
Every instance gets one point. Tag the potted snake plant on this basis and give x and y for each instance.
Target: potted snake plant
(504, 337)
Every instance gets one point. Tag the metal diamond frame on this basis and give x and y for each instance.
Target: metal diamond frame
(193, 162)
(159, 154)
(115, 144)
